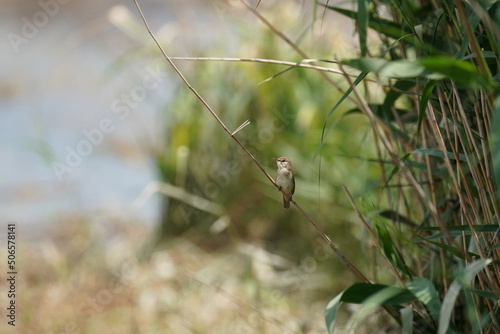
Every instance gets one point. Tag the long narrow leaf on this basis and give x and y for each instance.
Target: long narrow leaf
(462, 280)
(426, 292)
(395, 170)
(360, 293)
(495, 143)
(464, 228)
(407, 319)
(362, 19)
(392, 68)
(485, 294)
(389, 250)
(436, 68)
(451, 249)
(401, 87)
(447, 308)
(459, 71)
(440, 154)
(391, 29)
(426, 94)
(331, 312)
(360, 78)
(381, 297)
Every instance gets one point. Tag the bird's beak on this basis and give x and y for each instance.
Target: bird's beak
(275, 159)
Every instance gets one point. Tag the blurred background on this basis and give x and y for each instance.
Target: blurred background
(135, 212)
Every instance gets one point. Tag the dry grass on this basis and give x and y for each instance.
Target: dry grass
(87, 280)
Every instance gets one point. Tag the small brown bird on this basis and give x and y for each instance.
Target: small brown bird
(285, 180)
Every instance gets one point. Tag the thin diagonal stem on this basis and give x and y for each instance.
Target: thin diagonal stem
(332, 245)
(207, 106)
(372, 234)
(186, 82)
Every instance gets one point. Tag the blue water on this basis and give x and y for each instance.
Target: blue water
(57, 84)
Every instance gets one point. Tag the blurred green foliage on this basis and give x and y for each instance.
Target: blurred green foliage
(287, 116)
(438, 230)
(411, 137)
(285, 119)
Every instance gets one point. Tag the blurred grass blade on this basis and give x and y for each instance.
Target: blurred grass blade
(439, 154)
(391, 69)
(331, 312)
(494, 247)
(458, 70)
(485, 294)
(480, 326)
(346, 94)
(495, 143)
(436, 68)
(368, 294)
(369, 305)
(462, 280)
(389, 28)
(464, 228)
(447, 307)
(407, 319)
(390, 250)
(396, 217)
(426, 94)
(396, 169)
(469, 273)
(274, 76)
(362, 19)
(179, 194)
(426, 292)
(401, 87)
(359, 292)
(361, 76)
(451, 249)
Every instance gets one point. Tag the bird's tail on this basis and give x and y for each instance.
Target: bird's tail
(286, 201)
